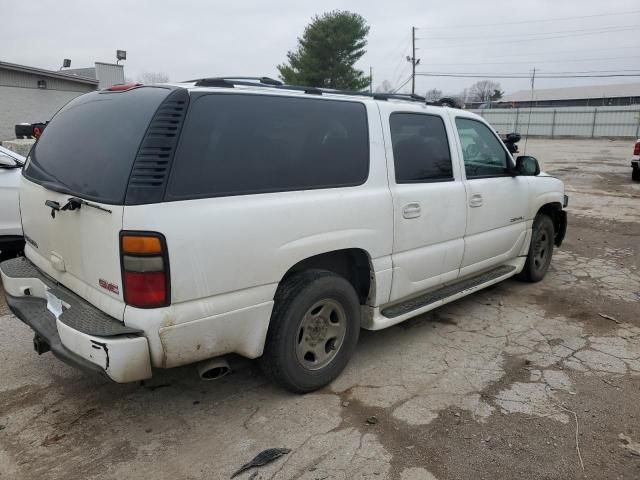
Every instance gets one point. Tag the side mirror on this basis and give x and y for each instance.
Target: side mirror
(526, 165)
(7, 162)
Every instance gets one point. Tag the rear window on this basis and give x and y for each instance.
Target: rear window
(236, 144)
(89, 146)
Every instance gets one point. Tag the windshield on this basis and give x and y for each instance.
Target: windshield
(90, 145)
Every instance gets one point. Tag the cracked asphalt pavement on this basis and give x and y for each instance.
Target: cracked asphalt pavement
(519, 381)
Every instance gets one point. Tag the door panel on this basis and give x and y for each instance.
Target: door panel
(496, 201)
(429, 203)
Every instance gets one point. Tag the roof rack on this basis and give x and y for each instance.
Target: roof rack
(267, 82)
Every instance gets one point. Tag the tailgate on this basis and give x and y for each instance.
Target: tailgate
(78, 248)
(74, 185)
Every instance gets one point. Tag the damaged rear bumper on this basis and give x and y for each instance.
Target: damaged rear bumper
(81, 335)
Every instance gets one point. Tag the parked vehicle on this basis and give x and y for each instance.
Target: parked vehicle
(30, 130)
(11, 241)
(244, 216)
(635, 162)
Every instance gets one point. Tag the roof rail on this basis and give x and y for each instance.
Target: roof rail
(229, 81)
(267, 82)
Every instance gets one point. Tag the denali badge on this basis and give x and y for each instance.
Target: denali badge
(112, 287)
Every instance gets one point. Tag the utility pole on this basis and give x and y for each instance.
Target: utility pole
(370, 79)
(414, 61)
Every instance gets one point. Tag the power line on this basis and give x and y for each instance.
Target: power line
(523, 40)
(502, 75)
(613, 71)
(510, 35)
(521, 55)
(395, 90)
(546, 20)
(529, 62)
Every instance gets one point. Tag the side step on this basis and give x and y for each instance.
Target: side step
(428, 298)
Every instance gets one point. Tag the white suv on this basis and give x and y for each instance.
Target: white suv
(174, 224)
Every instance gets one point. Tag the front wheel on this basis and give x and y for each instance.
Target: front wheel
(313, 331)
(540, 249)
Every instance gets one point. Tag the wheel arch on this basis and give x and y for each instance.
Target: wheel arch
(353, 264)
(559, 218)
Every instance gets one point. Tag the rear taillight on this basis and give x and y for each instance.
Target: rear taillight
(636, 149)
(145, 269)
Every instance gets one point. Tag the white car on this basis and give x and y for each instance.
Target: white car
(11, 240)
(175, 224)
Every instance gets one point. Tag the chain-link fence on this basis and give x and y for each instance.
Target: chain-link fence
(589, 122)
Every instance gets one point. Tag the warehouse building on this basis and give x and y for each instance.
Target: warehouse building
(107, 74)
(590, 96)
(32, 95)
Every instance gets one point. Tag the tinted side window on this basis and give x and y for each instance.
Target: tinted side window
(240, 144)
(484, 155)
(420, 148)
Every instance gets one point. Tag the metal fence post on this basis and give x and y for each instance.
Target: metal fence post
(517, 115)
(553, 123)
(593, 125)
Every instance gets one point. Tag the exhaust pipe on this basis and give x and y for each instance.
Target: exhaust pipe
(213, 369)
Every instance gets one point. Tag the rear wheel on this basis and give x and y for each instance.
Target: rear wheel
(313, 332)
(635, 174)
(540, 249)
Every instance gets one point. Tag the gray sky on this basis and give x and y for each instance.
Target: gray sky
(194, 38)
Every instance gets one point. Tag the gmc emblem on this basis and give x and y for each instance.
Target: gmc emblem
(111, 287)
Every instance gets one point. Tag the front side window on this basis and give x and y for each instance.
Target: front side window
(234, 144)
(484, 155)
(420, 148)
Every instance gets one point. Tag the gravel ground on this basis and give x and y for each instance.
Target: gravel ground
(519, 381)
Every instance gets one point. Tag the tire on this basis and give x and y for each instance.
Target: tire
(540, 249)
(313, 332)
(635, 174)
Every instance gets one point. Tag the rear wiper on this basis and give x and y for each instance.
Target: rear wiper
(74, 203)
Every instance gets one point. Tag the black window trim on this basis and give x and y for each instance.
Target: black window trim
(431, 180)
(509, 157)
(169, 197)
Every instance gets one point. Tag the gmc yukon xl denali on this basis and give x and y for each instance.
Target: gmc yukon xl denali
(176, 224)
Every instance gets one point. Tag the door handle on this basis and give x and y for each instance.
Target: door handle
(411, 210)
(475, 200)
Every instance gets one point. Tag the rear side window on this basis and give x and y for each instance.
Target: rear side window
(420, 148)
(236, 144)
(89, 146)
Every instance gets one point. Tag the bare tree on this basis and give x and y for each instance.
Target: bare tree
(484, 90)
(384, 87)
(153, 77)
(433, 95)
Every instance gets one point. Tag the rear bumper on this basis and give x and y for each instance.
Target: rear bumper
(635, 163)
(81, 335)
